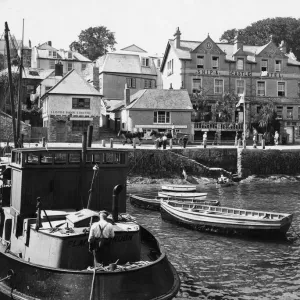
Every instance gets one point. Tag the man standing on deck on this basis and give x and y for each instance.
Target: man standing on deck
(101, 234)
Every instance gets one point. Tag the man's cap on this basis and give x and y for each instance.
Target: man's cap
(104, 212)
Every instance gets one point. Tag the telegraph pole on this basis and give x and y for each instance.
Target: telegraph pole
(12, 104)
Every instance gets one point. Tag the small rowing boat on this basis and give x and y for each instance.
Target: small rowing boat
(153, 203)
(179, 188)
(225, 219)
(181, 195)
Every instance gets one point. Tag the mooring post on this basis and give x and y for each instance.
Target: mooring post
(134, 143)
(111, 142)
(103, 143)
(89, 135)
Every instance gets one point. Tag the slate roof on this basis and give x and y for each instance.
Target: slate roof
(31, 73)
(153, 99)
(73, 84)
(133, 48)
(187, 47)
(125, 62)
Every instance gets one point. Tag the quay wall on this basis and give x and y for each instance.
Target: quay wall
(170, 163)
(201, 162)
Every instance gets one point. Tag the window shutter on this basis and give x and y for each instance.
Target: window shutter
(155, 117)
(128, 82)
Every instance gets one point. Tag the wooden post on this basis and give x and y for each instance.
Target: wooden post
(89, 135)
(111, 142)
(134, 143)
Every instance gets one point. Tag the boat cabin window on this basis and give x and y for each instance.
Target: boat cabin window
(89, 158)
(98, 158)
(120, 158)
(60, 158)
(31, 159)
(74, 158)
(46, 158)
(108, 158)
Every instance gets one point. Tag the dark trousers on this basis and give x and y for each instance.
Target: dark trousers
(101, 256)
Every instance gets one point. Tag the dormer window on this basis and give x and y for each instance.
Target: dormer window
(240, 64)
(200, 62)
(69, 55)
(215, 62)
(54, 54)
(50, 53)
(170, 67)
(277, 65)
(145, 62)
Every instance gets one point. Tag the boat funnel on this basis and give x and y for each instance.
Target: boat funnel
(115, 203)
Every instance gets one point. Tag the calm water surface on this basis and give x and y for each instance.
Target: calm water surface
(213, 266)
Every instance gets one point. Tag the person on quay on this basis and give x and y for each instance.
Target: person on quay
(276, 138)
(185, 140)
(100, 237)
(164, 141)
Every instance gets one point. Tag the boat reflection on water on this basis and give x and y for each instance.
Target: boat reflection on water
(44, 231)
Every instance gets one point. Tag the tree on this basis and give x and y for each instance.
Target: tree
(266, 118)
(226, 106)
(258, 33)
(94, 42)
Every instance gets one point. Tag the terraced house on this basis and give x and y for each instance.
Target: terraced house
(259, 72)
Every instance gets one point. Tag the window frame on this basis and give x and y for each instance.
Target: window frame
(83, 68)
(145, 62)
(218, 62)
(265, 89)
(198, 60)
(193, 86)
(86, 104)
(285, 92)
(52, 64)
(146, 86)
(290, 112)
(131, 82)
(170, 66)
(84, 125)
(215, 86)
(167, 117)
(244, 86)
(280, 69)
(70, 55)
(261, 65)
(279, 111)
(243, 63)
(68, 64)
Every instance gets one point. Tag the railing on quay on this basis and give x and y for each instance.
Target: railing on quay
(223, 126)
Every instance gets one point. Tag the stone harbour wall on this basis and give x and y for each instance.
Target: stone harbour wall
(268, 162)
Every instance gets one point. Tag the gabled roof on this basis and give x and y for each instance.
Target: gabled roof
(133, 48)
(45, 46)
(186, 48)
(154, 99)
(73, 84)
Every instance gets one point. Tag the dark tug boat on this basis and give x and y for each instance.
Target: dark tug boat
(44, 230)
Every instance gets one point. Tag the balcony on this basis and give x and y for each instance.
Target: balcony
(213, 126)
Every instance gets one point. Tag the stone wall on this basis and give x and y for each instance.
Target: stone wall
(268, 162)
(169, 163)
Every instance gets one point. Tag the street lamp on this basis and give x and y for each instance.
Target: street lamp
(242, 101)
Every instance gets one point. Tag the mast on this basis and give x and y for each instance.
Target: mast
(10, 85)
(20, 89)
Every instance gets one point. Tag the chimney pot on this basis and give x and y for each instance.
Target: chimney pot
(50, 43)
(177, 37)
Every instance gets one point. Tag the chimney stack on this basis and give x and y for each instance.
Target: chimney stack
(96, 81)
(238, 44)
(29, 44)
(50, 43)
(282, 47)
(126, 95)
(177, 38)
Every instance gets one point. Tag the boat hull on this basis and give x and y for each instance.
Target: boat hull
(179, 188)
(157, 280)
(204, 222)
(154, 204)
(180, 194)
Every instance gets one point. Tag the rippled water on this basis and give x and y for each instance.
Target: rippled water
(213, 266)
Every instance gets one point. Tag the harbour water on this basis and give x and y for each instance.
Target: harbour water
(213, 266)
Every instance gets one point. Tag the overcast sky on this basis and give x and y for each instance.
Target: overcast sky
(148, 24)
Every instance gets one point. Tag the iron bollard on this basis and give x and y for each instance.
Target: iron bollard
(103, 143)
(111, 143)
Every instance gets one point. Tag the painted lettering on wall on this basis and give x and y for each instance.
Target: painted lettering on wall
(123, 238)
(207, 72)
(240, 74)
(72, 112)
(77, 243)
